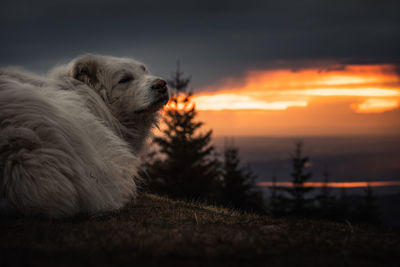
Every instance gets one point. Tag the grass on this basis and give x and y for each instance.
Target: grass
(157, 230)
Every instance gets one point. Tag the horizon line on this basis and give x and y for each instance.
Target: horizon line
(333, 184)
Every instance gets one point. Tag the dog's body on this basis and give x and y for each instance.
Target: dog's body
(69, 142)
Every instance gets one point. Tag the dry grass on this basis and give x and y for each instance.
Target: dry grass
(158, 230)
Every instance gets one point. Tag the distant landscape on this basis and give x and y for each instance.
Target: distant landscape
(345, 158)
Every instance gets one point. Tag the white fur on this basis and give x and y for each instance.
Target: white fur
(69, 142)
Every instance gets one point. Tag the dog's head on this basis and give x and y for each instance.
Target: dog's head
(125, 85)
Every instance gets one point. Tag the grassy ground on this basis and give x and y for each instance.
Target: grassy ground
(157, 230)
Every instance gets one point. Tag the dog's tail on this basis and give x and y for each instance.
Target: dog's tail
(30, 175)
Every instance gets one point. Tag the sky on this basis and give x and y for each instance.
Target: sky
(350, 100)
(257, 67)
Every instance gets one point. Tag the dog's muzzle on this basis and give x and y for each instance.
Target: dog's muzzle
(160, 86)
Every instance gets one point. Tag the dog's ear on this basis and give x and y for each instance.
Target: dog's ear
(85, 70)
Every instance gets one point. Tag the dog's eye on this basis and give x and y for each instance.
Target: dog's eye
(126, 79)
(143, 68)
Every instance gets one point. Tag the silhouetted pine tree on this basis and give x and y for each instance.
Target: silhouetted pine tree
(238, 188)
(276, 203)
(298, 201)
(343, 205)
(325, 198)
(177, 83)
(187, 166)
(368, 210)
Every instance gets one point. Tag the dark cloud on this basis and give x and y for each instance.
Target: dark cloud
(213, 39)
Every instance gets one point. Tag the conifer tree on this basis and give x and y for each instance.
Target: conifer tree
(368, 210)
(238, 187)
(187, 166)
(274, 197)
(325, 198)
(298, 201)
(343, 205)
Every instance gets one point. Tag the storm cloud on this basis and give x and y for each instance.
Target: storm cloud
(212, 39)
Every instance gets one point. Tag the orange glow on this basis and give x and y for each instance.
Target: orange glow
(282, 89)
(376, 105)
(346, 92)
(342, 100)
(334, 185)
(237, 102)
(181, 103)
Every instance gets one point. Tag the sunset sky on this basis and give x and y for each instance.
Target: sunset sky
(339, 100)
(281, 68)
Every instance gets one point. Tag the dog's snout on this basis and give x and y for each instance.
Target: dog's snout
(159, 85)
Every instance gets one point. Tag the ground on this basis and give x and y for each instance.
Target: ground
(157, 230)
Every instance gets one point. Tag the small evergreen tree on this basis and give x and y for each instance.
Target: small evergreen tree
(343, 209)
(298, 201)
(274, 197)
(368, 210)
(325, 198)
(187, 166)
(238, 188)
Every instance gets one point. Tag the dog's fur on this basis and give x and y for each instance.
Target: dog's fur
(69, 142)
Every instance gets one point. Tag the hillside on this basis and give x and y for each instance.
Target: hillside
(158, 230)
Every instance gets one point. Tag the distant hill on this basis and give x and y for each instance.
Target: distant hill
(157, 230)
(347, 158)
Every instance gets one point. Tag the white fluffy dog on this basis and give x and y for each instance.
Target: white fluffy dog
(69, 142)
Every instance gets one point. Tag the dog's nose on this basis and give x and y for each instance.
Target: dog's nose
(159, 85)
